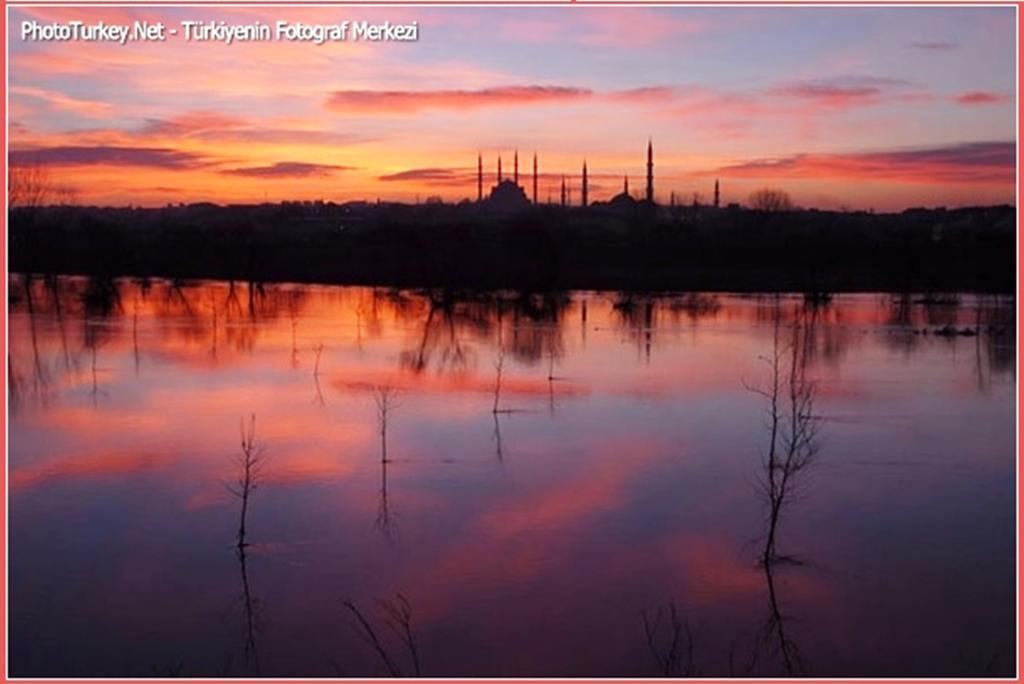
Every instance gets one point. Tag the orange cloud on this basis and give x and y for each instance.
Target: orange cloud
(981, 163)
(458, 177)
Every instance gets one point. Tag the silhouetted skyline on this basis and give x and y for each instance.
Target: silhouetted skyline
(513, 194)
(862, 109)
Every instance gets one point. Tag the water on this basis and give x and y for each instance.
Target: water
(618, 502)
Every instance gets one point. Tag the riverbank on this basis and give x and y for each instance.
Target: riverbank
(654, 249)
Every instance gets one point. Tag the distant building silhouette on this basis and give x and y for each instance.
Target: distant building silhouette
(509, 192)
(506, 196)
(583, 200)
(650, 171)
(623, 203)
(716, 193)
(534, 177)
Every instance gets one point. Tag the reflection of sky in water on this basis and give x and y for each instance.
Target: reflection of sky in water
(628, 481)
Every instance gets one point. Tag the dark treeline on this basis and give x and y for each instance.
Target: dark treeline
(643, 247)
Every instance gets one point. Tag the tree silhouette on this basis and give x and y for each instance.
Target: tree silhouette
(770, 199)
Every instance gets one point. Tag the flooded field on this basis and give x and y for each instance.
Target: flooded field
(507, 484)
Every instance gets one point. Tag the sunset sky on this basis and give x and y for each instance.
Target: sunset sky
(880, 108)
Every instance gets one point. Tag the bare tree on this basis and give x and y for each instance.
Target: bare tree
(386, 399)
(65, 196)
(29, 186)
(250, 470)
(792, 425)
(674, 652)
(771, 199)
(497, 438)
(398, 618)
(13, 385)
(792, 447)
(250, 609)
(318, 349)
(775, 630)
(499, 365)
(384, 521)
(551, 383)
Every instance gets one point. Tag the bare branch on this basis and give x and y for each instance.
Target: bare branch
(369, 634)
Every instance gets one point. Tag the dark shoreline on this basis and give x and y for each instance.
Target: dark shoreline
(544, 248)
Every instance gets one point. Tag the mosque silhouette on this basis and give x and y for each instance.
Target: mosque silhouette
(507, 195)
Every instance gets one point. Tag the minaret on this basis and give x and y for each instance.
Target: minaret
(515, 161)
(650, 171)
(563, 190)
(534, 177)
(479, 177)
(716, 193)
(625, 185)
(583, 201)
(499, 169)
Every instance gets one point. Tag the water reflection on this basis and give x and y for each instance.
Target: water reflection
(398, 619)
(318, 350)
(633, 436)
(672, 642)
(444, 329)
(250, 653)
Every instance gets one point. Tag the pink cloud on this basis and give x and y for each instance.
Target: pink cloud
(935, 45)
(90, 108)
(605, 27)
(210, 126)
(402, 101)
(103, 155)
(638, 27)
(842, 91)
(644, 94)
(288, 170)
(408, 101)
(980, 97)
(91, 465)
